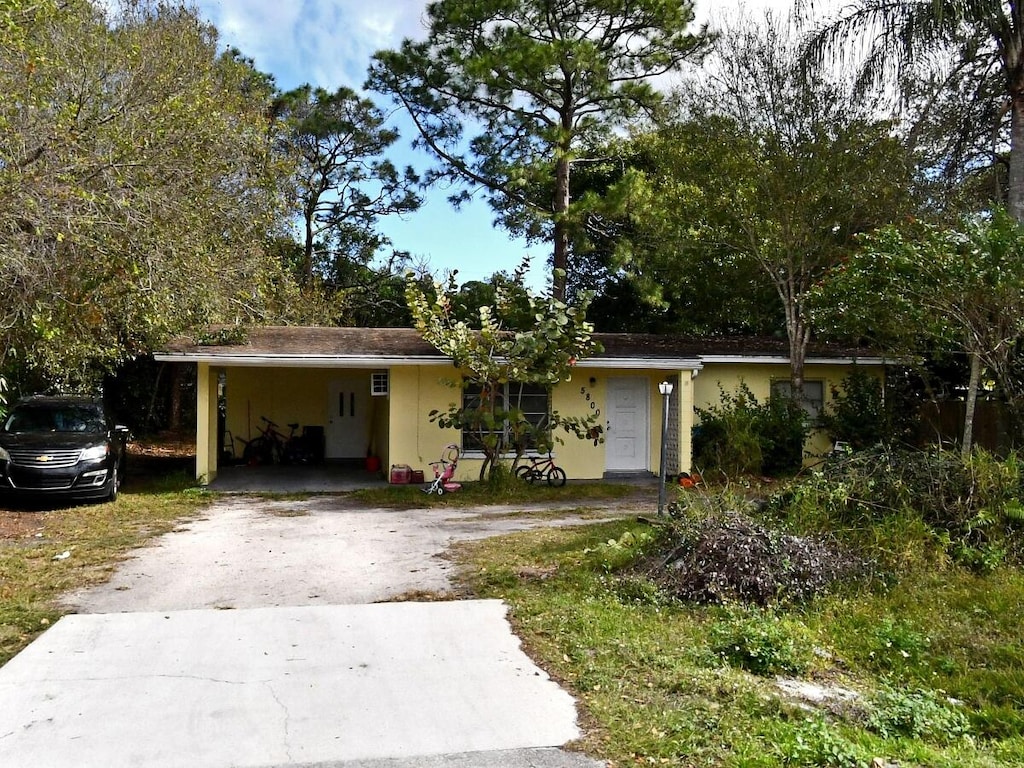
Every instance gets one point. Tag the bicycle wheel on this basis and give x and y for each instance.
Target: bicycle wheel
(255, 451)
(556, 477)
(523, 472)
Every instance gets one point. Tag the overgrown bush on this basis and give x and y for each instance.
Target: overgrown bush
(741, 436)
(857, 414)
(729, 557)
(917, 714)
(970, 505)
(762, 642)
(816, 743)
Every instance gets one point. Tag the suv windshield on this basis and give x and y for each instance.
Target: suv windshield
(55, 418)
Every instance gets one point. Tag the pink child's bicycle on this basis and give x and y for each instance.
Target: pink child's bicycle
(444, 471)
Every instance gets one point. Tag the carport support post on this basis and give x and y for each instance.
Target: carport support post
(665, 388)
(206, 423)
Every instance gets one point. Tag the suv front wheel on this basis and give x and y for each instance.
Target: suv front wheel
(115, 484)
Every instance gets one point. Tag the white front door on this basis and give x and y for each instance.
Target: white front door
(348, 417)
(627, 440)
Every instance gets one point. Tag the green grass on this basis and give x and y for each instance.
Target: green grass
(96, 536)
(937, 659)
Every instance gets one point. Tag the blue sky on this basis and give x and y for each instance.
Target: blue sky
(328, 43)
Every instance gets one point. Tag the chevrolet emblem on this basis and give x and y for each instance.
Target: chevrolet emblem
(44, 458)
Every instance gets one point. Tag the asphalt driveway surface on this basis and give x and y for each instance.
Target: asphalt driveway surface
(254, 637)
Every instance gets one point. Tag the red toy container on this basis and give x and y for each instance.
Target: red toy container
(401, 474)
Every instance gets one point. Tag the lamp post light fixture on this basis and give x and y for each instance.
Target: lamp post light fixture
(665, 388)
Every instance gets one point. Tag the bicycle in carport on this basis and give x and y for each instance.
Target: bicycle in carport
(270, 446)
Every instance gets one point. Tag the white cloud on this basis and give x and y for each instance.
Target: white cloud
(325, 42)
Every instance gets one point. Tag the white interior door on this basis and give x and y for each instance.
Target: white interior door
(627, 438)
(347, 435)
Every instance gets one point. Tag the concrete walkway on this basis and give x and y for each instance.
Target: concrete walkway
(247, 639)
(332, 685)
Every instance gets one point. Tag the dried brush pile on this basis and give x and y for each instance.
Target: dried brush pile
(728, 557)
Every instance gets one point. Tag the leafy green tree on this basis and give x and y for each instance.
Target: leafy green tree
(343, 183)
(505, 93)
(491, 354)
(137, 187)
(924, 285)
(613, 238)
(766, 176)
(906, 39)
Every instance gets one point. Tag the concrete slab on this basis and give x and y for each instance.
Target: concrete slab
(377, 686)
(252, 553)
(276, 478)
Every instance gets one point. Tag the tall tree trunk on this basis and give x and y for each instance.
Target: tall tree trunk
(1015, 186)
(972, 401)
(798, 333)
(560, 260)
(306, 268)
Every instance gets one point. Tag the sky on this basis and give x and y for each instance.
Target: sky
(329, 43)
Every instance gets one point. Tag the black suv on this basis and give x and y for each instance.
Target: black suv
(61, 448)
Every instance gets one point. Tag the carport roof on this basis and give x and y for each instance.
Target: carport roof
(294, 346)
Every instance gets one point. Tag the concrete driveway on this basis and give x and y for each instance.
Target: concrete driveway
(253, 637)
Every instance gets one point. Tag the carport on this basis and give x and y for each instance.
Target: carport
(333, 383)
(275, 478)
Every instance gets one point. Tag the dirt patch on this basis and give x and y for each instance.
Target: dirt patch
(20, 526)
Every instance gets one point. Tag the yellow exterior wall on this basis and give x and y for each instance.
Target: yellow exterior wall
(583, 460)
(416, 441)
(412, 438)
(283, 395)
(579, 458)
(758, 377)
(402, 432)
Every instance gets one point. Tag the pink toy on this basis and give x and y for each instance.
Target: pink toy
(444, 470)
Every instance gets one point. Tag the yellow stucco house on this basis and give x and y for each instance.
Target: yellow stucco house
(371, 390)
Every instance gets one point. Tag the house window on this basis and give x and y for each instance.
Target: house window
(814, 395)
(379, 383)
(533, 400)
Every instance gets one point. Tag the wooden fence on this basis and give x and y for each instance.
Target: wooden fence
(944, 422)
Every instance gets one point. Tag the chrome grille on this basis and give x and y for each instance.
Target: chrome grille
(53, 459)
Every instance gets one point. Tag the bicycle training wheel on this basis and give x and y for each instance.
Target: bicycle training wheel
(556, 477)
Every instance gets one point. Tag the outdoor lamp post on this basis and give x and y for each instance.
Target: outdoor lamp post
(665, 388)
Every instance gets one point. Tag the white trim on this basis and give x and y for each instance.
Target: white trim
(784, 360)
(642, 363)
(299, 361)
(380, 384)
(379, 361)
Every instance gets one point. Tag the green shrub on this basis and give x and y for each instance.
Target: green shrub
(615, 554)
(917, 714)
(817, 745)
(968, 505)
(743, 437)
(782, 427)
(896, 645)
(864, 411)
(762, 642)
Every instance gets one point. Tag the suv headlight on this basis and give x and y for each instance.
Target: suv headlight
(95, 453)
(4, 455)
